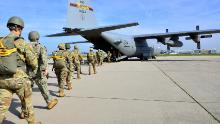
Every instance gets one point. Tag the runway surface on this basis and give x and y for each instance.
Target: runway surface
(169, 90)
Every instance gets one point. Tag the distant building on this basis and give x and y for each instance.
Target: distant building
(212, 51)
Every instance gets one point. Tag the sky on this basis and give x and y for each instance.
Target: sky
(154, 16)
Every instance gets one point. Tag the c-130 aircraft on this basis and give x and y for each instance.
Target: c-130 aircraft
(81, 21)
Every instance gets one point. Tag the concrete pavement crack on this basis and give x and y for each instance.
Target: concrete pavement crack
(194, 99)
(128, 99)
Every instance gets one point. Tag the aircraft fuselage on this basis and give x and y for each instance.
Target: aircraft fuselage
(126, 45)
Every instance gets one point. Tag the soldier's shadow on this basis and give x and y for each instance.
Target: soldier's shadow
(52, 84)
(53, 93)
(35, 89)
(52, 77)
(7, 122)
(14, 105)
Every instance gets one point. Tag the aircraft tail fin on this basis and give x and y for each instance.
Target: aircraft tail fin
(80, 15)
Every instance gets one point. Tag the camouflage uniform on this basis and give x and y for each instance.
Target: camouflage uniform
(91, 57)
(70, 69)
(77, 58)
(98, 56)
(109, 55)
(40, 78)
(61, 73)
(102, 54)
(19, 82)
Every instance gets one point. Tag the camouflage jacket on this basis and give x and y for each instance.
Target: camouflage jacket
(91, 57)
(26, 56)
(76, 56)
(65, 55)
(41, 54)
(69, 55)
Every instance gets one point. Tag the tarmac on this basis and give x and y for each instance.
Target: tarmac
(169, 90)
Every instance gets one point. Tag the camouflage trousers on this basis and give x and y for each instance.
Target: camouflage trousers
(78, 69)
(98, 61)
(109, 59)
(41, 81)
(69, 77)
(92, 65)
(61, 77)
(20, 86)
(101, 61)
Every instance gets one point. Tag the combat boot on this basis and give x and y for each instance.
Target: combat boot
(78, 77)
(69, 86)
(22, 115)
(61, 93)
(52, 103)
(34, 122)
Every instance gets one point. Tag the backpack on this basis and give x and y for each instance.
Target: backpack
(36, 48)
(59, 60)
(8, 56)
(91, 56)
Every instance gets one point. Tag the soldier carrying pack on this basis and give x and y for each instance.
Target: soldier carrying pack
(59, 58)
(8, 56)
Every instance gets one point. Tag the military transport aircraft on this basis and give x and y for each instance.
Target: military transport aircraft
(81, 21)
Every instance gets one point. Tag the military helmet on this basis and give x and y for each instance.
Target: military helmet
(15, 21)
(33, 36)
(67, 46)
(75, 47)
(61, 46)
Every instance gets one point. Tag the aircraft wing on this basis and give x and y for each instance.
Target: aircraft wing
(172, 39)
(180, 34)
(70, 32)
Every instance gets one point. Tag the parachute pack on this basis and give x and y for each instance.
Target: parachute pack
(59, 60)
(8, 56)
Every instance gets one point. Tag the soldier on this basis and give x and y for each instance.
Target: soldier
(98, 57)
(77, 58)
(61, 59)
(69, 67)
(91, 61)
(16, 55)
(40, 78)
(102, 54)
(109, 55)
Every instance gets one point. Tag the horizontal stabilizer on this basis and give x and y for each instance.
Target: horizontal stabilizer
(62, 34)
(69, 31)
(108, 28)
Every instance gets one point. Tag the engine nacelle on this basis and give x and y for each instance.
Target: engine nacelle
(173, 43)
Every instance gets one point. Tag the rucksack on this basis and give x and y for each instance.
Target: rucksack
(59, 60)
(8, 56)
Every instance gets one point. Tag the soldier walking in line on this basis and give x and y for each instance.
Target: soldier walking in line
(16, 55)
(69, 67)
(39, 76)
(91, 61)
(61, 59)
(109, 56)
(77, 58)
